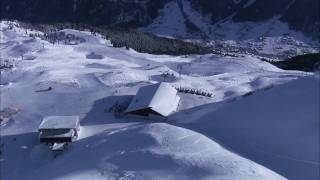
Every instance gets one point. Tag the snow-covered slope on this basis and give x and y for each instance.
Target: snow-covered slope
(108, 147)
(143, 151)
(271, 37)
(270, 28)
(170, 22)
(278, 127)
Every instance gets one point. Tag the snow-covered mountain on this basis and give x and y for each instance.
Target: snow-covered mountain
(269, 36)
(142, 12)
(206, 139)
(269, 28)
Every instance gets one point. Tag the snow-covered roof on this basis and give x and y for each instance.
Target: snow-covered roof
(161, 98)
(59, 122)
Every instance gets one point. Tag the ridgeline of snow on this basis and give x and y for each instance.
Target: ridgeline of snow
(123, 148)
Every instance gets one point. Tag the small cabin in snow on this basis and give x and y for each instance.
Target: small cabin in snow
(156, 100)
(59, 129)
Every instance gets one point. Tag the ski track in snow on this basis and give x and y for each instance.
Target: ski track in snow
(123, 148)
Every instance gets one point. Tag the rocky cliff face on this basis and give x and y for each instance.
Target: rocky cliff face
(302, 15)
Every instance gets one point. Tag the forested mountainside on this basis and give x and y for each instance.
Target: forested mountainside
(139, 13)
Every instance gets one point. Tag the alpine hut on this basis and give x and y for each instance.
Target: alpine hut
(156, 100)
(59, 129)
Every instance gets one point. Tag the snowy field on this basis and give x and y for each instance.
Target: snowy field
(260, 123)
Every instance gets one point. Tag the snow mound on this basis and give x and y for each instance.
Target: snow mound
(155, 150)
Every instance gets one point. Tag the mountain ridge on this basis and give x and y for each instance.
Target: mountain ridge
(140, 13)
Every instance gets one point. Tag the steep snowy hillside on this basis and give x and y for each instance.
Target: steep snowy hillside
(278, 128)
(88, 77)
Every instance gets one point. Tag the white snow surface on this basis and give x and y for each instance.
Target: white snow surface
(278, 127)
(130, 148)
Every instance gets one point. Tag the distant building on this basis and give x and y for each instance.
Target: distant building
(59, 129)
(156, 100)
